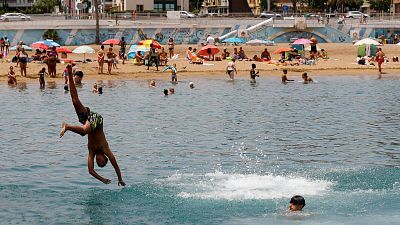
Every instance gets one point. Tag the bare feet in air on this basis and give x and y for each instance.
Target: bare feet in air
(63, 129)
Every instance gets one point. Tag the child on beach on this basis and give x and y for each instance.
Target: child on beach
(284, 77)
(253, 73)
(297, 203)
(12, 78)
(42, 74)
(231, 69)
(94, 89)
(174, 77)
(306, 78)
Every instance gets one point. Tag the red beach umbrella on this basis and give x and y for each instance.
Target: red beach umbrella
(283, 49)
(40, 45)
(111, 41)
(203, 51)
(64, 50)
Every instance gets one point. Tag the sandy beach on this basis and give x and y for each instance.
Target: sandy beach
(342, 62)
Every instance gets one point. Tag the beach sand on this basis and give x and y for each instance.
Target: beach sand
(342, 62)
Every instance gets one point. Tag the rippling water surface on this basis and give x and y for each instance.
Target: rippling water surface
(222, 153)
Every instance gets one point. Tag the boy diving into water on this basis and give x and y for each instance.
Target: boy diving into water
(93, 127)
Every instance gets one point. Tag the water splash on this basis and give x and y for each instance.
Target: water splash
(218, 185)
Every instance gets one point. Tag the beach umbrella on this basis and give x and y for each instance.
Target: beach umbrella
(259, 42)
(134, 49)
(111, 41)
(40, 45)
(83, 50)
(148, 42)
(302, 41)
(283, 49)
(51, 43)
(63, 50)
(203, 51)
(367, 41)
(233, 40)
(26, 47)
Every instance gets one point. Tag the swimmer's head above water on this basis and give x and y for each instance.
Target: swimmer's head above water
(101, 160)
(297, 203)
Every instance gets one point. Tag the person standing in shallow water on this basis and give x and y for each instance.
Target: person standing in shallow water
(93, 127)
(380, 58)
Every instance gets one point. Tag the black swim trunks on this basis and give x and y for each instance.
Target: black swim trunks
(95, 119)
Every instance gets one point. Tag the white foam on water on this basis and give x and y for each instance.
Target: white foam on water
(218, 185)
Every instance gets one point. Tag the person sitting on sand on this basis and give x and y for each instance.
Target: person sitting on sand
(297, 203)
(189, 53)
(12, 78)
(139, 58)
(257, 59)
(225, 54)
(235, 54)
(242, 54)
(306, 78)
(93, 127)
(284, 77)
(265, 55)
(324, 54)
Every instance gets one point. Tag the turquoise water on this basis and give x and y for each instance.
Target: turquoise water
(222, 153)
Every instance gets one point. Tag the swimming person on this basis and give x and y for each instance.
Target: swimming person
(165, 92)
(191, 85)
(297, 203)
(306, 78)
(284, 77)
(253, 73)
(174, 77)
(93, 127)
(231, 69)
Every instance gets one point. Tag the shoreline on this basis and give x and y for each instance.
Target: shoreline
(186, 75)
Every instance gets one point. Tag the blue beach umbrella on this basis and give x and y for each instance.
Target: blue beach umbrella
(50, 43)
(137, 48)
(26, 47)
(233, 40)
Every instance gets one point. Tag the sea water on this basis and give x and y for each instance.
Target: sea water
(221, 153)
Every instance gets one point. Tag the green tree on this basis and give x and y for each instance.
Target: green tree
(45, 6)
(51, 34)
(380, 5)
(341, 5)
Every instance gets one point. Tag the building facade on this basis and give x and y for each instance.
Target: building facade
(17, 3)
(218, 7)
(152, 5)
